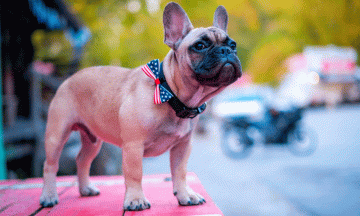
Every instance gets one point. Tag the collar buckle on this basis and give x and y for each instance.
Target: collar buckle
(186, 112)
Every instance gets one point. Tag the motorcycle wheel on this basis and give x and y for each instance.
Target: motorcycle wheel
(235, 143)
(302, 141)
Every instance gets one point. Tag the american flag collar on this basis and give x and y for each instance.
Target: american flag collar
(152, 70)
(163, 92)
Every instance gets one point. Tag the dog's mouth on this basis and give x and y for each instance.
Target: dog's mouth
(225, 74)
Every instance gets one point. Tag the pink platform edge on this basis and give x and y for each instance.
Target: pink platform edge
(22, 197)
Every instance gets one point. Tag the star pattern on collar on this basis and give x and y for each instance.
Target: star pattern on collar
(152, 70)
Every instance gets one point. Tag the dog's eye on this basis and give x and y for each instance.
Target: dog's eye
(233, 45)
(200, 46)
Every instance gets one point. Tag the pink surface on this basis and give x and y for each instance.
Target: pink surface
(22, 198)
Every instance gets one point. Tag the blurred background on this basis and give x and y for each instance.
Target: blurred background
(282, 140)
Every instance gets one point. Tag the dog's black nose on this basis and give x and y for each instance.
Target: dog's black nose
(224, 51)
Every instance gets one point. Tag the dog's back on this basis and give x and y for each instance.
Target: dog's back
(92, 97)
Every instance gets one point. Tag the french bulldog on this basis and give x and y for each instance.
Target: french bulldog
(118, 105)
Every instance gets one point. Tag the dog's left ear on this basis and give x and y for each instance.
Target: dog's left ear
(176, 25)
(221, 18)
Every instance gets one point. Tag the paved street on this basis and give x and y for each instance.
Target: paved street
(272, 181)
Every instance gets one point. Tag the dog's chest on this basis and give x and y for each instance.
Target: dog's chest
(165, 136)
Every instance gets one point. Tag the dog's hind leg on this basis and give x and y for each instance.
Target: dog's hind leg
(57, 133)
(89, 149)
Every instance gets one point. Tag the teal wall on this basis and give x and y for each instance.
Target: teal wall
(2, 148)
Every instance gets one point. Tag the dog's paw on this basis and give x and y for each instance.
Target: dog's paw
(89, 190)
(49, 200)
(136, 203)
(188, 197)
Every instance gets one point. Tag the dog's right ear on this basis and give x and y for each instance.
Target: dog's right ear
(176, 25)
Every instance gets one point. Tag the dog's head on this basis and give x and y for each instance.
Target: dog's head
(207, 55)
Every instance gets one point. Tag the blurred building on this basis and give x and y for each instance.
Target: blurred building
(322, 75)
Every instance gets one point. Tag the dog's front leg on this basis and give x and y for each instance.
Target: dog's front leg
(132, 167)
(179, 156)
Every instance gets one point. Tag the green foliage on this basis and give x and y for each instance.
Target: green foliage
(127, 33)
(270, 31)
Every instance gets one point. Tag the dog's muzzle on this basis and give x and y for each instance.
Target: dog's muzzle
(223, 75)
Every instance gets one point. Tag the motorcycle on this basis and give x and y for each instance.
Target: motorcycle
(247, 120)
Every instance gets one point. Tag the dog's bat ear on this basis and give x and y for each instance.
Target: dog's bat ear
(176, 25)
(221, 18)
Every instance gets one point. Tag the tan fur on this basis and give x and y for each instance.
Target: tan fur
(116, 105)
